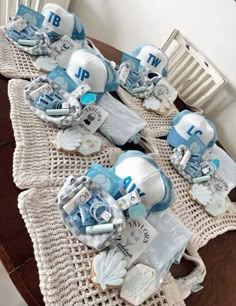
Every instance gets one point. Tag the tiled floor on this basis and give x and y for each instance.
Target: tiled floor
(9, 296)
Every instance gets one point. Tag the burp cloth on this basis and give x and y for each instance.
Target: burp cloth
(122, 123)
(169, 245)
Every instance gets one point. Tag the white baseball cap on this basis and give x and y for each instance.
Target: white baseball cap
(186, 124)
(139, 171)
(153, 58)
(62, 22)
(94, 69)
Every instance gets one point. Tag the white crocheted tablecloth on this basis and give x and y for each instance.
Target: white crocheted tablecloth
(36, 162)
(64, 264)
(193, 215)
(15, 63)
(157, 125)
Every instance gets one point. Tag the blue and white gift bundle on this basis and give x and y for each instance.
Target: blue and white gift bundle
(53, 34)
(95, 206)
(52, 103)
(25, 31)
(122, 211)
(142, 76)
(191, 134)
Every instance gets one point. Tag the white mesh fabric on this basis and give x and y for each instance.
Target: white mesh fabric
(64, 263)
(15, 63)
(193, 215)
(37, 163)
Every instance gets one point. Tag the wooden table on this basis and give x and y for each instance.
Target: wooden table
(16, 251)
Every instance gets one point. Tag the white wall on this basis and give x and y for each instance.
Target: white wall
(8, 293)
(209, 24)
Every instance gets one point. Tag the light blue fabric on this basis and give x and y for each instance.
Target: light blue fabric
(122, 123)
(78, 31)
(112, 83)
(169, 245)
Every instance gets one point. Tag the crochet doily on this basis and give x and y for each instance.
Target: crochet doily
(157, 125)
(64, 263)
(15, 63)
(194, 217)
(36, 162)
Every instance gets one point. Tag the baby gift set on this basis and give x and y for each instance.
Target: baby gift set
(119, 200)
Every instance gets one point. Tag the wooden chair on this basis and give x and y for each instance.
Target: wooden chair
(194, 76)
(8, 8)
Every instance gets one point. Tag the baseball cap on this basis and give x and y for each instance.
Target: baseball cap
(62, 22)
(153, 58)
(186, 124)
(86, 65)
(140, 172)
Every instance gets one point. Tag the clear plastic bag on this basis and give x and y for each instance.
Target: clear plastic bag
(169, 245)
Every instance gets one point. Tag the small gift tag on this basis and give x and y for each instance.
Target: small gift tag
(31, 16)
(106, 215)
(195, 145)
(59, 76)
(221, 185)
(44, 89)
(128, 200)
(65, 43)
(83, 196)
(82, 89)
(93, 117)
(136, 237)
(124, 73)
(17, 25)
